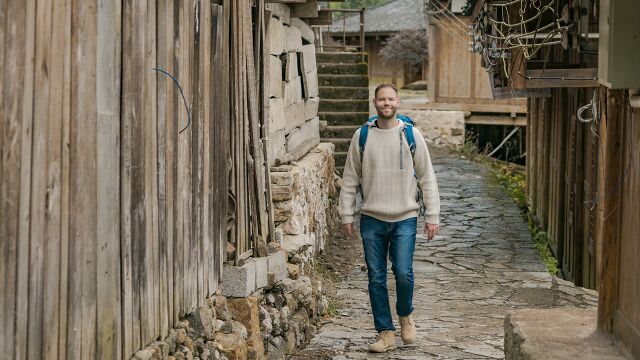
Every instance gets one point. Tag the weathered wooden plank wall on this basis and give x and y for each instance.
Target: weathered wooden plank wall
(114, 193)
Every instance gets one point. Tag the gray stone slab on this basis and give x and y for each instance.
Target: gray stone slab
(277, 264)
(292, 91)
(277, 119)
(311, 108)
(306, 32)
(262, 269)
(292, 39)
(294, 116)
(275, 77)
(304, 138)
(308, 58)
(291, 66)
(310, 81)
(276, 37)
(239, 281)
(280, 11)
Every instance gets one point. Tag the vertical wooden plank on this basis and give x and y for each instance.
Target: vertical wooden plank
(196, 155)
(203, 99)
(178, 123)
(165, 17)
(15, 140)
(108, 179)
(39, 167)
(27, 40)
(54, 252)
(129, 185)
(65, 190)
(149, 163)
(612, 128)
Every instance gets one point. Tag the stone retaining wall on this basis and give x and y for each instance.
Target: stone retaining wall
(268, 305)
(441, 127)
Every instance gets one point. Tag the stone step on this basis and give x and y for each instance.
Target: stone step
(342, 105)
(343, 69)
(338, 131)
(341, 145)
(343, 80)
(340, 92)
(344, 118)
(340, 57)
(340, 158)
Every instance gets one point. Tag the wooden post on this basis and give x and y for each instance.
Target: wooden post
(362, 33)
(611, 132)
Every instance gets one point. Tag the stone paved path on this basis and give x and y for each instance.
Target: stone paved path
(482, 265)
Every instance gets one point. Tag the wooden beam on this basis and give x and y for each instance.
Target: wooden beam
(286, 1)
(477, 8)
(487, 108)
(305, 10)
(496, 120)
(561, 78)
(324, 18)
(611, 130)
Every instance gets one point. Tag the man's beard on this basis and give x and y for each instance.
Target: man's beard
(391, 116)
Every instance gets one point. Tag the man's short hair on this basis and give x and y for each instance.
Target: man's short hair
(382, 86)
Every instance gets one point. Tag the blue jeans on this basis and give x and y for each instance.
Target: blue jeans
(398, 241)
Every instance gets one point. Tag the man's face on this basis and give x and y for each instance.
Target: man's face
(386, 103)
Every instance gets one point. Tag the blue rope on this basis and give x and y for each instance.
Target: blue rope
(181, 93)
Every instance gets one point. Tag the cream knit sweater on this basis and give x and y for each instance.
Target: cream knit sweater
(387, 177)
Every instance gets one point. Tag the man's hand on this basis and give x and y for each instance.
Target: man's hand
(431, 230)
(348, 229)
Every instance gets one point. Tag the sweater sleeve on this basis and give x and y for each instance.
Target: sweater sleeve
(350, 181)
(426, 179)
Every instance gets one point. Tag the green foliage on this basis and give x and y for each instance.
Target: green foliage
(514, 182)
(408, 48)
(321, 271)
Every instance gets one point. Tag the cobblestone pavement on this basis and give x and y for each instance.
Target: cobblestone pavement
(481, 265)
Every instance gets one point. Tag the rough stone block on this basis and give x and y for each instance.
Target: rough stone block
(292, 39)
(261, 271)
(277, 265)
(442, 127)
(281, 11)
(276, 114)
(275, 77)
(293, 243)
(245, 311)
(292, 91)
(294, 115)
(232, 346)
(562, 333)
(276, 36)
(310, 81)
(291, 66)
(306, 32)
(239, 281)
(311, 108)
(308, 58)
(304, 138)
(281, 186)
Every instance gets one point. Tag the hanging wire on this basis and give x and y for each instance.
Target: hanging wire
(181, 93)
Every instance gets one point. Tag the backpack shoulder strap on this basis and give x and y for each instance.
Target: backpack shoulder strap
(364, 132)
(411, 140)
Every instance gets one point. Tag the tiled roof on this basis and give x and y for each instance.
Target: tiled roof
(397, 15)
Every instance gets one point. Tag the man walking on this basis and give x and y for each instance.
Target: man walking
(388, 172)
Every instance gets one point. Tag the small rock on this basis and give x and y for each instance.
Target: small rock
(294, 271)
(270, 299)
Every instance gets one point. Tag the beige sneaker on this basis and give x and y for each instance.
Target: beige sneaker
(386, 341)
(407, 329)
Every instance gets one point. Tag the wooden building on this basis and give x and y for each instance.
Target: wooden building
(132, 157)
(381, 22)
(583, 142)
(456, 77)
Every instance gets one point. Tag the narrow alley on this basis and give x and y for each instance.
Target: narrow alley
(482, 265)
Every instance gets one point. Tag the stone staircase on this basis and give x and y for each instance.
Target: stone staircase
(344, 99)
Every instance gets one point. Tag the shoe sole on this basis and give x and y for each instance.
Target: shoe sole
(382, 351)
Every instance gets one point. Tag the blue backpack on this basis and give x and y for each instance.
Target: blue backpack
(411, 141)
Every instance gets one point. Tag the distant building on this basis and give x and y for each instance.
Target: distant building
(380, 23)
